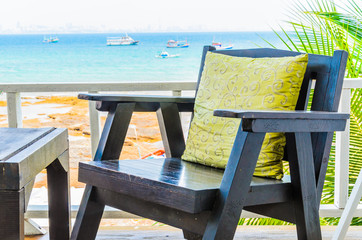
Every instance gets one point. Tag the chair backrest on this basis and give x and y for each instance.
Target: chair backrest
(327, 72)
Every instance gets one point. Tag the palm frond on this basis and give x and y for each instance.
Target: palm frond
(320, 27)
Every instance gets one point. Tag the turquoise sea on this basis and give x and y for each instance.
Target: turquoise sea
(87, 58)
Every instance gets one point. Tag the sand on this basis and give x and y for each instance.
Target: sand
(143, 136)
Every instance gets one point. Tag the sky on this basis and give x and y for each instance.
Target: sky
(68, 16)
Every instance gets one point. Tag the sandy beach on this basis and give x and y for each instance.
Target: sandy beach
(143, 136)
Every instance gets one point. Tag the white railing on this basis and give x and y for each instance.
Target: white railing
(13, 91)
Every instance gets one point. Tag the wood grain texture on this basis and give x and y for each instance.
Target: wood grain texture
(191, 236)
(88, 217)
(203, 56)
(182, 185)
(109, 147)
(172, 135)
(22, 167)
(287, 121)
(195, 223)
(303, 179)
(234, 186)
(12, 214)
(143, 106)
(14, 140)
(296, 125)
(26, 152)
(326, 98)
(134, 98)
(291, 115)
(305, 90)
(114, 132)
(59, 201)
(28, 188)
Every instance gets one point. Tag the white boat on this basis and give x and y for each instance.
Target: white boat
(177, 44)
(219, 46)
(51, 39)
(165, 54)
(121, 41)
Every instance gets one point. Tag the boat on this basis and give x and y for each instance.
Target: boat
(51, 39)
(165, 54)
(219, 46)
(177, 44)
(121, 41)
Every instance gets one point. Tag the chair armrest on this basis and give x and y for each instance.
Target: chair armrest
(135, 98)
(143, 102)
(287, 121)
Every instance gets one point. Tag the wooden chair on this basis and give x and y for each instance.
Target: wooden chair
(205, 202)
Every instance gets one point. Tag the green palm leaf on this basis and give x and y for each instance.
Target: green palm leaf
(320, 28)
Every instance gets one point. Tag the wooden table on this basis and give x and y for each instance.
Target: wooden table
(23, 154)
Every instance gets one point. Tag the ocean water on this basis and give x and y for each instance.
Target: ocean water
(87, 58)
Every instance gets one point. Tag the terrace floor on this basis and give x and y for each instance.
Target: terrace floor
(243, 232)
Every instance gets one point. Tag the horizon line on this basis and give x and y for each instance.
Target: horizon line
(120, 32)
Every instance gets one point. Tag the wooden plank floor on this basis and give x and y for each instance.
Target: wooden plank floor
(244, 232)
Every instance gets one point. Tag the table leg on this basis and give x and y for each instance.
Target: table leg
(12, 205)
(59, 203)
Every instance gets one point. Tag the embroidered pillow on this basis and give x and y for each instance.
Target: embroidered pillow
(229, 82)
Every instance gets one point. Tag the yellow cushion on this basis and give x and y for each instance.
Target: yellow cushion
(242, 83)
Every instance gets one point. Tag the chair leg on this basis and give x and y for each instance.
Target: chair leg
(234, 186)
(59, 204)
(304, 185)
(191, 236)
(109, 147)
(88, 217)
(12, 214)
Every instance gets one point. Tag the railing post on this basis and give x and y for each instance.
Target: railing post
(176, 93)
(183, 116)
(95, 125)
(14, 110)
(342, 155)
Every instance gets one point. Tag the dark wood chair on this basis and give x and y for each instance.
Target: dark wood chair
(205, 202)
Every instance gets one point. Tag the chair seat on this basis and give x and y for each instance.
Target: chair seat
(172, 182)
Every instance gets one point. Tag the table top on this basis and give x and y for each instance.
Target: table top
(14, 140)
(24, 152)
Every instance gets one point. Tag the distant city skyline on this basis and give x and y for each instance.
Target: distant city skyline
(91, 16)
